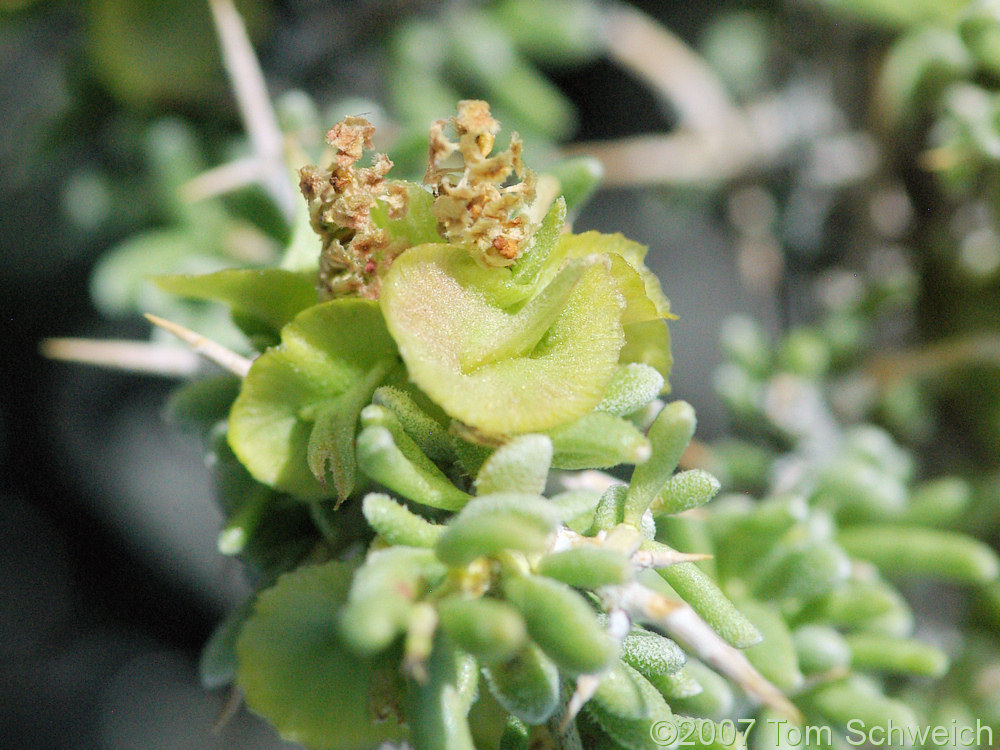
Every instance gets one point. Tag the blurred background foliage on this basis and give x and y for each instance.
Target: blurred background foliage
(826, 168)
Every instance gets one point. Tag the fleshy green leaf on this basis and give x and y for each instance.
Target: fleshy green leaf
(404, 470)
(201, 404)
(643, 295)
(398, 525)
(295, 670)
(436, 708)
(325, 368)
(268, 298)
(598, 441)
(633, 386)
(522, 465)
(218, 663)
(499, 369)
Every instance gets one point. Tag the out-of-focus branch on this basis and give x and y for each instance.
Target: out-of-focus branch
(639, 44)
(258, 115)
(716, 141)
(935, 359)
(132, 356)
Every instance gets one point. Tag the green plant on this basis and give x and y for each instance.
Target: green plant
(408, 470)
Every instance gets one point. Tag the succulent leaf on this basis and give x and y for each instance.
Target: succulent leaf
(296, 671)
(267, 298)
(494, 368)
(332, 357)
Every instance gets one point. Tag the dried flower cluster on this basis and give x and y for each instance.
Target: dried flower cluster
(341, 199)
(477, 210)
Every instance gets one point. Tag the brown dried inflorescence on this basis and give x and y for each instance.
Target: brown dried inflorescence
(476, 209)
(355, 250)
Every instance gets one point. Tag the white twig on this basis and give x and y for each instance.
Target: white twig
(715, 140)
(255, 106)
(586, 686)
(657, 558)
(210, 350)
(133, 356)
(223, 179)
(681, 622)
(671, 68)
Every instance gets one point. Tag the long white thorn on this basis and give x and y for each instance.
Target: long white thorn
(132, 356)
(656, 558)
(258, 115)
(210, 350)
(586, 686)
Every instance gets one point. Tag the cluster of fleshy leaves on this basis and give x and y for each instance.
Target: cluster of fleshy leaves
(844, 514)
(395, 472)
(383, 466)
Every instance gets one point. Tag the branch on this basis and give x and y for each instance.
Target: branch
(258, 115)
(681, 623)
(132, 356)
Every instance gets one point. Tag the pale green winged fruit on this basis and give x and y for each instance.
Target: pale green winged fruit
(512, 327)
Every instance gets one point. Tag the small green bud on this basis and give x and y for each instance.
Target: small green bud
(492, 524)
(576, 508)
(489, 536)
(653, 656)
(610, 508)
(488, 629)
(522, 465)
(632, 387)
(680, 684)
(685, 490)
